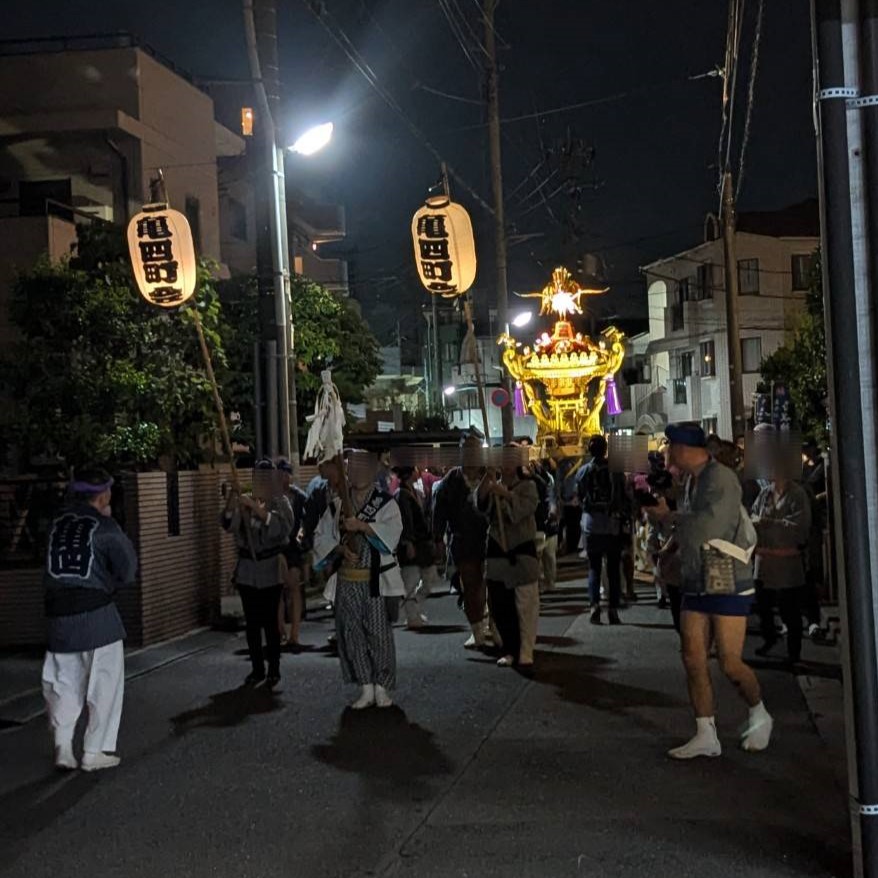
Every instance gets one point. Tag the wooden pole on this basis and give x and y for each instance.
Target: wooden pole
(221, 414)
(480, 386)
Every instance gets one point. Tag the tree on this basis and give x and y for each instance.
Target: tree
(330, 333)
(800, 365)
(99, 375)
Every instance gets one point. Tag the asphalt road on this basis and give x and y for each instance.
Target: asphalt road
(477, 772)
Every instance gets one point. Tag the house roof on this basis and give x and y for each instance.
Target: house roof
(800, 220)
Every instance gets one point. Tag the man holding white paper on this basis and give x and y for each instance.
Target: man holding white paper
(716, 540)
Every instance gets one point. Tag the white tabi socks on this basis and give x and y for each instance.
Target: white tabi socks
(705, 742)
(757, 732)
(64, 758)
(382, 697)
(366, 699)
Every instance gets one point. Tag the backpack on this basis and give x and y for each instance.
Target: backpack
(542, 512)
(596, 490)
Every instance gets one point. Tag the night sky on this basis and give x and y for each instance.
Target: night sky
(643, 168)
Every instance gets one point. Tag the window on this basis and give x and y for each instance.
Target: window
(748, 277)
(680, 396)
(678, 320)
(751, 354)
(801, 265)
(45, 197)
(247, 121)
(708, 359)
(704, 281)
(193, 214)
(237, 219)
(686, 364)
(709, 425)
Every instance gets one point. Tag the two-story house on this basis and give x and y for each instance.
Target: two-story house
(688, 348)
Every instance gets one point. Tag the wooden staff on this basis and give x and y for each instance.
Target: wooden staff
(221, 415)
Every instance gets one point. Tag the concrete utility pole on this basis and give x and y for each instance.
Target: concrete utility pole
(845, 44)
(273, 250)
(733, 332)
(493, 99)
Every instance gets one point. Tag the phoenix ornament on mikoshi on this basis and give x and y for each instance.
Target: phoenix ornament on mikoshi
(565, 377)
(562, 296)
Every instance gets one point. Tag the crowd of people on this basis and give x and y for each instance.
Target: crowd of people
(719, 539)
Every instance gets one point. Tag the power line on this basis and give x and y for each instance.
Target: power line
(444, 94)
(475, 37)
(458, 33)
(500, 41)
(751, 92)
(318, 8)
(606, 99)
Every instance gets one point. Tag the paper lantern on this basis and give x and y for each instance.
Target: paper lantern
(614, 407)
(162, 255)
(445, 249)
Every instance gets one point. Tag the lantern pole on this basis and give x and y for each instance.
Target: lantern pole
(470, 328)
(493, 99)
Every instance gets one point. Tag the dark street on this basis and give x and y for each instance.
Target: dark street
(476, 771)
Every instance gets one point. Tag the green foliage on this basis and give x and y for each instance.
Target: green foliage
(329, 333)
(101, 376)
(800, 365)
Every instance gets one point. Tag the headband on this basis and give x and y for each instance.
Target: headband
(89, 488)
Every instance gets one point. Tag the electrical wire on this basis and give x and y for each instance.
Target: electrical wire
(444, 94)
(751, 92)
(476, 38)
(501, 42)
(606, 99)
(458, 33)
(335, 31)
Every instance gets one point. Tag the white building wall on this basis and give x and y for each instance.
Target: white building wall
(770, 316)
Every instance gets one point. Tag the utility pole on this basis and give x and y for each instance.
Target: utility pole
(273, 270)
(733, 332)
(843, 47)
(493, 99)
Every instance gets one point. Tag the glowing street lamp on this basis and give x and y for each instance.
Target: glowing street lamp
(450, 390)
(313, 140)
(523, 319)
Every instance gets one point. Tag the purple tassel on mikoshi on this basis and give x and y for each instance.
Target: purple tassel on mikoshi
(611, 394)
(520, 407)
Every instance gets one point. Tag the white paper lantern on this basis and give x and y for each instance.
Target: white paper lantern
(445, 249)
(162, 255)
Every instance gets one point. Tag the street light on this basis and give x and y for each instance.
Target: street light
(522, 319)
(450, 390)
(313, 140)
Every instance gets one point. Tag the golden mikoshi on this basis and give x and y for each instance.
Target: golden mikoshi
(565, 375)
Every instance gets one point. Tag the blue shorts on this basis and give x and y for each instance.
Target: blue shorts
(718, 604)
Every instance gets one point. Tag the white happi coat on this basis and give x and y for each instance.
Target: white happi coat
(387, 525)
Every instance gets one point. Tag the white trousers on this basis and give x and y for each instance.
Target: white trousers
(93, 679)
(418, 582)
